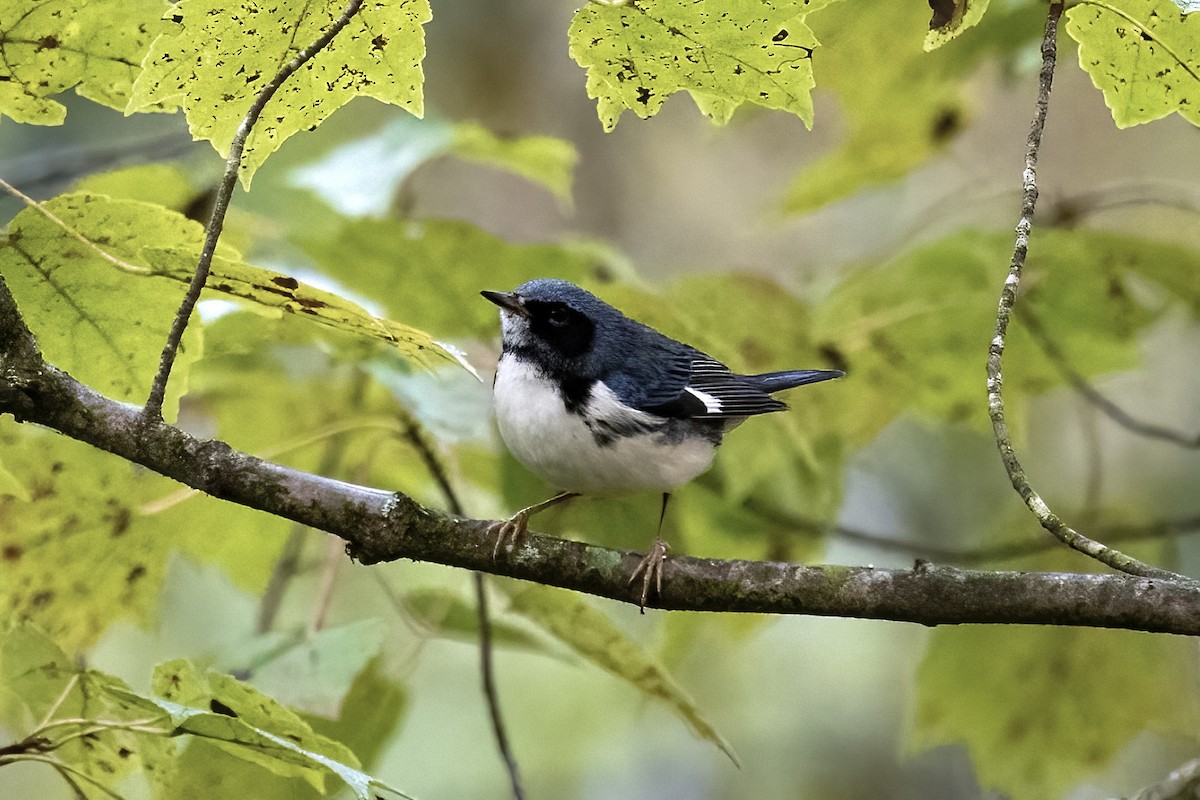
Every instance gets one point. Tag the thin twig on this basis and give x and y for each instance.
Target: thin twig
(415, 437)
(158, 390)
(1008, 297)
(1110, 409)
(489, 687)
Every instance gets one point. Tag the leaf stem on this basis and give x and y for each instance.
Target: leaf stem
(1008, 297)
(158, 389)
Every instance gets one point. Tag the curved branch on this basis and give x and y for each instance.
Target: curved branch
(1008, 298)
(158, 389)
(383, 526)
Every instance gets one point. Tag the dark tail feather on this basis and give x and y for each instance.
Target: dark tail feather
(778, 381)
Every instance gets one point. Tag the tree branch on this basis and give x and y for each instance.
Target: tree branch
(1008, 298)
(158, 389)
(384, 526)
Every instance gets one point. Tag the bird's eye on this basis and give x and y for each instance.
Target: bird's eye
(558, 316)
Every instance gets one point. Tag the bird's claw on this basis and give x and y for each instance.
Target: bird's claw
(511, 530)
(651, 570)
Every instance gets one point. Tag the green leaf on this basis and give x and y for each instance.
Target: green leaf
(89, 545)
(724, 52)
(913, 331)
(571, 620)
(415, 269)
(77, 556)
(363, 177)
(448, 613)
(545, 160)
(370, 714)
(274, 290)
(1015, 695)
(1143, 54)
(110, 332)
(34, 672)
(215, 58)
(103, 323)
(311, 671)
(900, 104)
(12, 486)
(962, 14)
(252, 726)
(162, 184)
(96, 46)
(39, 682)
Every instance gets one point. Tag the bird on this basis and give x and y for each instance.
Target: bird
(596, 403)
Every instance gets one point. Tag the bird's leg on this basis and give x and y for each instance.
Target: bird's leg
(513, 528)
(651, 567)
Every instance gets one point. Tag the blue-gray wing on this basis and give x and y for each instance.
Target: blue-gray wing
(712, 391)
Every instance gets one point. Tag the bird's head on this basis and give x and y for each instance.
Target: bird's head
(554, 320)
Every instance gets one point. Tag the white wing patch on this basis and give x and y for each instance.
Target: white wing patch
(711, 404)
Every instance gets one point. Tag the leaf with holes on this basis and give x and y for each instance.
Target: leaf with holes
(92, 729)
(97, 46)
(1143, 54)
(724, 52)
(248, 724)
(216, 57)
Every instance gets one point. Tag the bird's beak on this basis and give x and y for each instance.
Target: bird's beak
(509, 301)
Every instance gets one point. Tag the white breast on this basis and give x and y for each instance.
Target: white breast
(557, 446)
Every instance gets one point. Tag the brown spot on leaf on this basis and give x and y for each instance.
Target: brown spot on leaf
(121, 518)
(779, 37)
(42, 598)
(286, 282)
(135, 573)
(378, 43)
(48, 43)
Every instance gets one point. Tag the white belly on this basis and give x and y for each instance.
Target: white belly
(558, 447)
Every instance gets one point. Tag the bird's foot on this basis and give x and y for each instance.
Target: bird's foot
(511, 530)
(651, 570)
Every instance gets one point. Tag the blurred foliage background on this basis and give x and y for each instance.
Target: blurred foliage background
(876, 242)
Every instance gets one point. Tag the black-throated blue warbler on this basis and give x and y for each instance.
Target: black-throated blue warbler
(596, 403)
